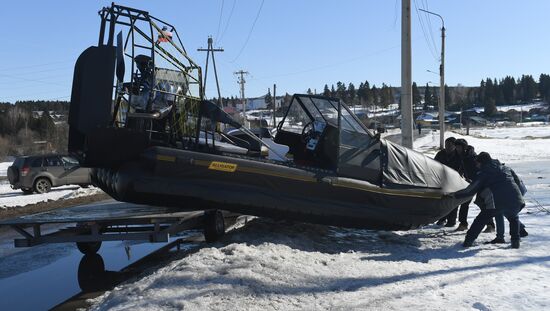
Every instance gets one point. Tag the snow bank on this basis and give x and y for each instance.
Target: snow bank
(13, 198)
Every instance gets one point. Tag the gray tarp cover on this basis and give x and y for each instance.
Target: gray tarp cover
(406, 168)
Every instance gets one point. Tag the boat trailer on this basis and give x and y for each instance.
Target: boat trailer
(89, 225)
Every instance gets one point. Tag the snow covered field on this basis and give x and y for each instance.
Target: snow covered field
(269, 265)
(13, 198)
(4, 168)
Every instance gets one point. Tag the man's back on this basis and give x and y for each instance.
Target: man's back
(499, 179)
(451, 159)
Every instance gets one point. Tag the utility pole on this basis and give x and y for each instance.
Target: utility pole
(211, 50)
(406, 76)
(274, 99)
(242, 81)
(441, 83)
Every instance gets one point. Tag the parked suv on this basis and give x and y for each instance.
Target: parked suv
(41, 173)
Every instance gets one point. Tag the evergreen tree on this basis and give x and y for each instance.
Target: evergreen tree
(435, 97)
(268, 99)
(333, 91)
(361, 93)
(489, 107)
(351, 93)
(544, 87)
(416, 98)
(375, 96)
(428, 97)
(508, 85)
(488, 94)
(326, 91)
(367, 93)
(46, 125)
(341, 91)
(528, 88)
(450, 103)
(386, 96)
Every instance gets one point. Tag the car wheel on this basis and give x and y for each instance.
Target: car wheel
(42, 185)
(27, 191)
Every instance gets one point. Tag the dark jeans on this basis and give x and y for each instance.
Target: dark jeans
(462, 215)
(499, 219)
(451, 217)
(486, 214)
(463, 212)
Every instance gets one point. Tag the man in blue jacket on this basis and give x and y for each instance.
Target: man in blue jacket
(496, 186)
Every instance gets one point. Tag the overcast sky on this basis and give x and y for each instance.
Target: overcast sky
(295, 44)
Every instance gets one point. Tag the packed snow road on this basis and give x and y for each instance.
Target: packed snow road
(269, 265)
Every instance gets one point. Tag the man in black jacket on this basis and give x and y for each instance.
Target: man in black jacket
(496, 186)
(467, 155)
(450, 157)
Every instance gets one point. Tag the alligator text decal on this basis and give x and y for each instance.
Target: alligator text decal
(223, 166)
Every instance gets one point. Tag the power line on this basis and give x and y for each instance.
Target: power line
(423, 26)
(329, 65)
(30, 80)
(250, 32)
(428, 43)
(38, 65)
(220, 20)
(228, 21)
(425, 6)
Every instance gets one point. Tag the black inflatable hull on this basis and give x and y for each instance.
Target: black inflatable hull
(192, 180)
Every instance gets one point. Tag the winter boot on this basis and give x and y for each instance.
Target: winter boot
(489, 229)
(450, 224)
(462, 227)
(496, 241)
(467, 243)
(515, 243)
(523, 233)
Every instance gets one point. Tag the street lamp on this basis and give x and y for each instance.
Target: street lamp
(442, 84)
(435, 73)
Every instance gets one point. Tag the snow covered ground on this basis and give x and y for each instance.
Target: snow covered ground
(269, 265)
(520, 107)
(4, 168)
(13, 198)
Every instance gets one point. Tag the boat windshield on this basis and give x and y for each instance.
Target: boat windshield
(322, 108)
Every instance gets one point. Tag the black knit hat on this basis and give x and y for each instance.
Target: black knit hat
(483, 158)
(461, 142)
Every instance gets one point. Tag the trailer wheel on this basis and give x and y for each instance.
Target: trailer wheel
(214, 226)
(88, 248)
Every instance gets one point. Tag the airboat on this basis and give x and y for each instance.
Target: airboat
(139, 118)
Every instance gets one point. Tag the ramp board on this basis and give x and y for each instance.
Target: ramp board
(106, 221)
(98, 212)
